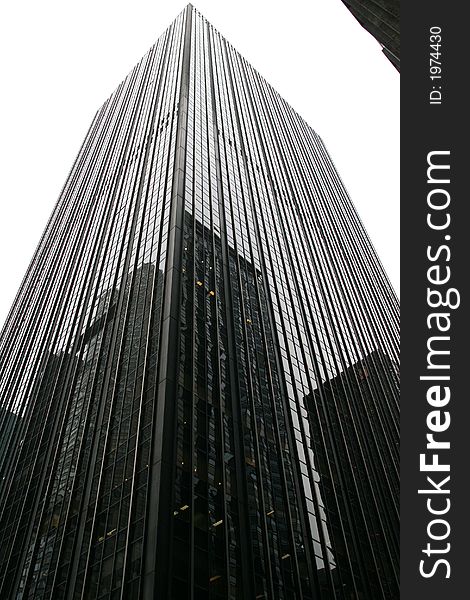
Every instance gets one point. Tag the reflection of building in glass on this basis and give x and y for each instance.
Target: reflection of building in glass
(203, 287)
(381, 18)
(357, 461)
(55, 442)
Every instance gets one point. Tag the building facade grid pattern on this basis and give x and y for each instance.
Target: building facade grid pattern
(199, 374)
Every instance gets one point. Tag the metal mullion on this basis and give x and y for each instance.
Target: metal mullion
(355, 338)
(42, 475)
(47, 234)
(365, 463)
(346, 325)
(327, 166)
(139, 106)
(52, 263)
(208, 74)
(304, 361)
(21, 295)
(161, 176)
(357, 311)
(267, 279)
(247, 582)
(262, 326)
(104, 266)
(249, 376)
(162, 468)
(330, 342)
(67, 402)
(193, 409)
(152, 119)
(368, 251)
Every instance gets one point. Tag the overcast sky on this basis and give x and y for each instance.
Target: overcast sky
(61, 59)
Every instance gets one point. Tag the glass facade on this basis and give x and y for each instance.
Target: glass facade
(199, 376)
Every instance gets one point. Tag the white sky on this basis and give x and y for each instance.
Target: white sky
(61, 59)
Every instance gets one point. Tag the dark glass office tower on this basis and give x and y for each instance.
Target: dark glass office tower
(199, 372)
(381, 18)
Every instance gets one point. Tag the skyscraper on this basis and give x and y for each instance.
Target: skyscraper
(381, 18)
(199, 372)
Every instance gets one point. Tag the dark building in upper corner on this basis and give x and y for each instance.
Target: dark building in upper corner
(381, 18)
(199, 373)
